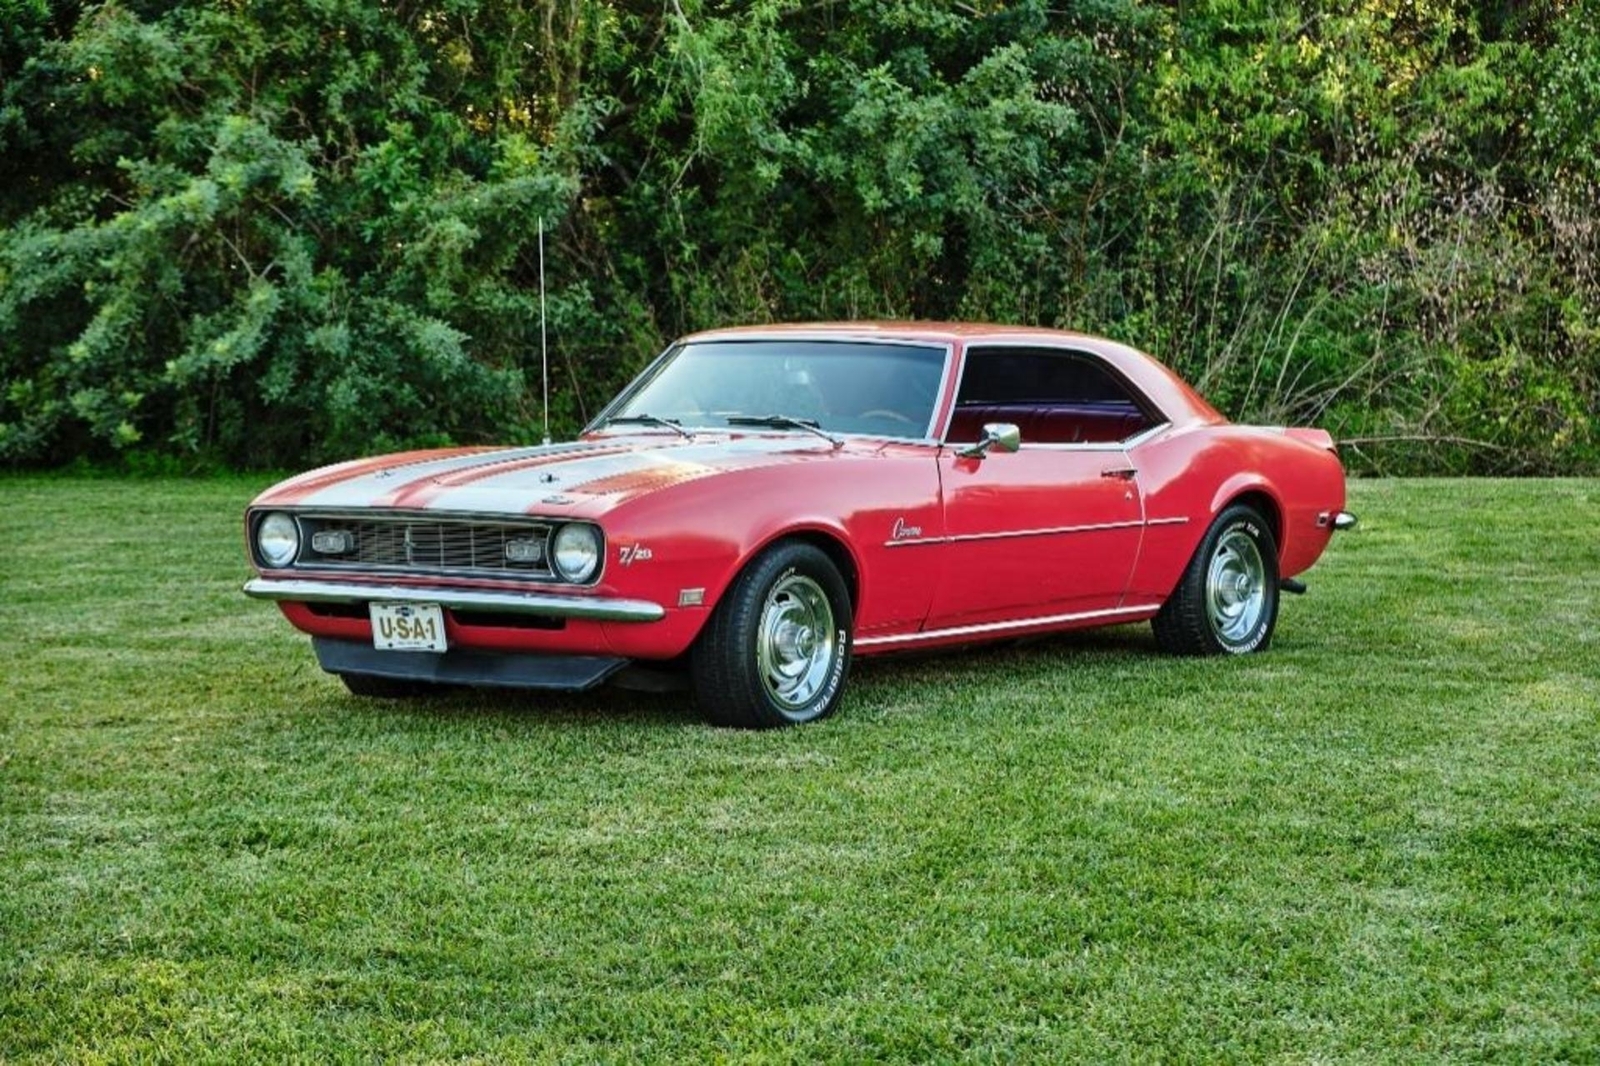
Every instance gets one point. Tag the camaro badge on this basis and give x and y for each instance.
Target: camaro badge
(902, 531)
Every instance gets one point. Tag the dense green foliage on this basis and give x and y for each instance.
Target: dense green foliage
(1379, 842)
(260, 233)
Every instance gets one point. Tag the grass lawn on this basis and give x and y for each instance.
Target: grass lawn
(1381, 840)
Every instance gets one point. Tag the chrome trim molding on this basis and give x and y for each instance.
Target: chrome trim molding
(1080, 445)
(936, 425)
(1007, 534)
(1139, 438)
(1084, 446)
(539, 603)
(1001, 627)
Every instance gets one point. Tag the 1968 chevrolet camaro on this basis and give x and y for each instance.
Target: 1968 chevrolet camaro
(762, 504)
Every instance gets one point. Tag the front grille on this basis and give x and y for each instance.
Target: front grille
(411, 544)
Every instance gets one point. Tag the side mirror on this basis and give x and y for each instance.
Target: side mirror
(1003, 435)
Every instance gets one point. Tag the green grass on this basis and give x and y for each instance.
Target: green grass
(1381, 840)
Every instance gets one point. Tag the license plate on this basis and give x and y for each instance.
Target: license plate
(407, 627)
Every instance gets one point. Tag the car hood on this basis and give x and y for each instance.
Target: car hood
(583, 477)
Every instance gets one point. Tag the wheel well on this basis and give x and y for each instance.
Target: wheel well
(1267, 507)
(837, 553)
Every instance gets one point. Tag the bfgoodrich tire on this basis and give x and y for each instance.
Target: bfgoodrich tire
(777, 648)
(1226, 603)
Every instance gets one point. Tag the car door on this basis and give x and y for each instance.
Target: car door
(1045, 531)
(1053, 529)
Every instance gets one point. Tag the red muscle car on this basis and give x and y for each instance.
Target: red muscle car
(763, 504)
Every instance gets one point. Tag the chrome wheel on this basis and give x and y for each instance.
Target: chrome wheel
(796, 641)
(1236, 588)
(776, 650)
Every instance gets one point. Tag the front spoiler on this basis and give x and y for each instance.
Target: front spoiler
(468, 666)
(457, 599)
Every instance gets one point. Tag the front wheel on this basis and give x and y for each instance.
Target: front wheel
(1226, 603)
(777, 648)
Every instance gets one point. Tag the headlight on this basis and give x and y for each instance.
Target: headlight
(278, 539)
(577, 551)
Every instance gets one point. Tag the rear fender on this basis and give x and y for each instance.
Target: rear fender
(1317, 438)
(1249, 484)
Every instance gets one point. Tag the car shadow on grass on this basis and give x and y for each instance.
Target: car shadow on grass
(991, 665)
(525, 710)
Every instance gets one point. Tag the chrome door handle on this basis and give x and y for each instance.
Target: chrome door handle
(1126, 473)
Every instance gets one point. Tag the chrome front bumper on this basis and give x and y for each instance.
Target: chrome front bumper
(537, 603)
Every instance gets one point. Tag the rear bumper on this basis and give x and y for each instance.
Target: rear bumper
(468, 666)
(601, 609)
(1338, 521)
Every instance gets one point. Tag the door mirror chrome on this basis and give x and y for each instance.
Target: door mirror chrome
(1003, 435)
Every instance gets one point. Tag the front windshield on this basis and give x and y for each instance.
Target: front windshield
(886, 389)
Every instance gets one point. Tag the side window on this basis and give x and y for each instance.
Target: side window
(1053, 395)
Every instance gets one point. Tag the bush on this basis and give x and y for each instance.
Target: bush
(283, 233)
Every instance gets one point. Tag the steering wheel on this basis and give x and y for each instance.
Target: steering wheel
(886, 413)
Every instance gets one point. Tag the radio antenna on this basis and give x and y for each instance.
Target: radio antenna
(544, 351)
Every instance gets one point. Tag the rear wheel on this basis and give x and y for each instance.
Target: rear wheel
(777, 648)
(1226, 603)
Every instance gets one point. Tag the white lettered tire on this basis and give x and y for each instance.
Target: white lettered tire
(776, 650)
(1226, 602)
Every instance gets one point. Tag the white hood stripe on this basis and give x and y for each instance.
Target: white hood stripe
(368, 489)
(528, 474)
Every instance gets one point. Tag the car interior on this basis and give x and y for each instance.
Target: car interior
(1053, 396)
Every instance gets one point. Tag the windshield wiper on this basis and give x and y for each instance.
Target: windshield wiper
(809, 425)
(651, 420)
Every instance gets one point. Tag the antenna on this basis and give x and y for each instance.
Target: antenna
(544, 351)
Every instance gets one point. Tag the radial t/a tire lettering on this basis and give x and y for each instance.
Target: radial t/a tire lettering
(1226, 602)
(776, 650)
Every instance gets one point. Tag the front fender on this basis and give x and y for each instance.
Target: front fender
(699, 535)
